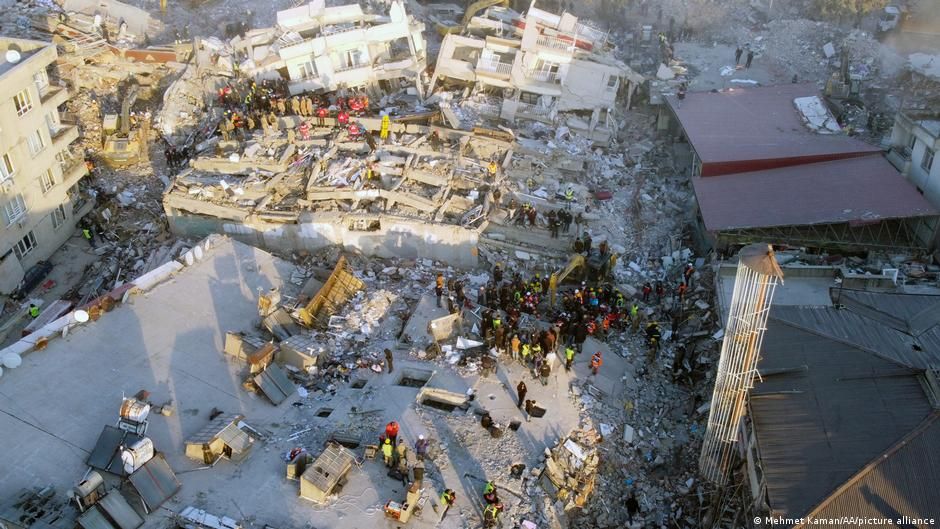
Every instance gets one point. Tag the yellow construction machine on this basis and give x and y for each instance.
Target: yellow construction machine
(121, 146)
(445, 28)
(597, 264)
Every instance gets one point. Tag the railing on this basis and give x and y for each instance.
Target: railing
(337, 29)
(591, 33)
(544, 76)
(555, 43)
(348, 67)
(503, 68)
(535, 110)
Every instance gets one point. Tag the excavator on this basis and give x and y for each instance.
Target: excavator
(445, 29)
(121, 146)
(596, 265)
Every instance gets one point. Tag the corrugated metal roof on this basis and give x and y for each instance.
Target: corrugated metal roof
(829, 410)
(119, 511)
(913, 314)
(274, 384)
(855, 190)
(155, 482)
(903, 482)
(868, 334)
(755, 124)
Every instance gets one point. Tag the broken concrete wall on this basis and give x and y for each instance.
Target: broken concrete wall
(395, 237)
(138, 20)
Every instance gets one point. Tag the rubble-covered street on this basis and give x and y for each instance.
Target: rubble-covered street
(394, 263)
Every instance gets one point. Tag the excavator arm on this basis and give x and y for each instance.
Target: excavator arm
(126, 105)
(575, 262)
(478, 6)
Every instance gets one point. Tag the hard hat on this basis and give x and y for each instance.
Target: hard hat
(388, 441)
(421, 437)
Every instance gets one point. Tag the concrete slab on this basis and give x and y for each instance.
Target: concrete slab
(170, 340)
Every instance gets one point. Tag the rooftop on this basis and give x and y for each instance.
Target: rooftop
(26, 49)
(826, 404)
(860, 189)
(768, 130)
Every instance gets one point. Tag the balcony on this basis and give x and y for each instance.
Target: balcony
(534, 111)
(544, 76)
(65, 134)
(72, 172)
(555, 44)
(53, 95)
(494, 68)
(590, 33)
(351, 67)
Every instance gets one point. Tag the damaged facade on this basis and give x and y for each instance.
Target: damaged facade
(39, 173)
(329, 48)
(537, 65)
(915, 140)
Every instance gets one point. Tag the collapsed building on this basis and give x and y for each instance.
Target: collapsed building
(536, 66)
(329, 48)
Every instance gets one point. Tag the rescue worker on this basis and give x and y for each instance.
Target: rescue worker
(514, 344)
(33, 311)
(492, 168)
(421, 448)
(387, 452)
(521, 390)
(647, 290)
(89, 235)
(448, 497)
(388, 359)
(322, 113)
(439, 289)
(391, 432)
(491, 514)
(569, 198)
(569, 357)
(635, 317)
(596, 362)
(544, 372)
(489, 493)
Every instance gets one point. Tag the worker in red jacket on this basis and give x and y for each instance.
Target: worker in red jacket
(391, 432)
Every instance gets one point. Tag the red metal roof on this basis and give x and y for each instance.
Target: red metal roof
(855, 190)
(751, 129)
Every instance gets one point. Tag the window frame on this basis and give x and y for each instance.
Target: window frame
(7, 167)
(28, 242)
(36, 134)
(22, 102)
(58, 217)
(926, 161)
(20, 211)
(42, 181)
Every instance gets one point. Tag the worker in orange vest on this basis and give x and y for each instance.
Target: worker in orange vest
(596, 362)
(439, 289)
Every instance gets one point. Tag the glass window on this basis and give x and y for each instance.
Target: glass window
(22, 102)
(7, 169)
(927, 161)
(14, 209)
(26, 245)
(35, 142)
(58, 216)
(46, 181)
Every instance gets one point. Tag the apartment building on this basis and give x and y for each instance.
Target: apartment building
(39, 172)
(330, 48)
(915, 141)
(549, 63)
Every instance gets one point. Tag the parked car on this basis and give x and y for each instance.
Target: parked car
(31, 279)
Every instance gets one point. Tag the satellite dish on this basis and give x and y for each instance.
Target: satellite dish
(12, 56)
(80, 316)
(12, 360)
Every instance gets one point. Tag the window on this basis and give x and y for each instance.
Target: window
(41, 79)
(25, 245)
(913, 142)
(14, 209)
(35, 142)
(22, 102)
(352, 59)
(58, 216)
(612, 82)
(307, 70)
(529, 98)
(7, 169)
(46, 181)
(52, 122)
(927, 161)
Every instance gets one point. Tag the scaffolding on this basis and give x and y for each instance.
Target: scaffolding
(757, 277)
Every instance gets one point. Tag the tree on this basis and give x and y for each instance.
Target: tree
(840, 9)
